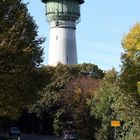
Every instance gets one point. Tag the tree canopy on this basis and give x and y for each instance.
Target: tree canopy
(130, 72)
(20, 55)
(66, 93)
(113, 103)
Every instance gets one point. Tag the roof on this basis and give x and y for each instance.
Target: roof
(79, 1)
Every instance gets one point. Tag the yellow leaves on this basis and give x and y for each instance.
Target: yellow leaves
(138, 47)
(138, 84)
(129, 54)
(132, 40)
(131, 44)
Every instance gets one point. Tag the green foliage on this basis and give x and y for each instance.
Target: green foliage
(112, 103)
(77, 92)
(50, 96)
(65, 94)
(90, 70)
(130, 73)
(20, 55)
(138, 86)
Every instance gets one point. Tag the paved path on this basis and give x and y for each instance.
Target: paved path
(39, 137)
(32, 137)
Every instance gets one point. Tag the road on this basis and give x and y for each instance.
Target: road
(39, 137)
(31, 137)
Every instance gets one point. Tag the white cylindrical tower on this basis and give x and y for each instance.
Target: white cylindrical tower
(62, 15)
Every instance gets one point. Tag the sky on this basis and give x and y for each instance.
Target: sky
(103, 24)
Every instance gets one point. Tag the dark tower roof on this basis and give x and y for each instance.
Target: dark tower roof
(79, 1)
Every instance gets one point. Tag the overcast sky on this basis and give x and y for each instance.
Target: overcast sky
(99, 34)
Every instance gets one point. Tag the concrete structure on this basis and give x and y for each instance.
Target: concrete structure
(62, 15)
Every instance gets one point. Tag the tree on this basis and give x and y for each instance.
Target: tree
(76, 94)
(55, 97)
(50, 96)
(88, 69)
(130, 72)
(113, 103)
(20, 56)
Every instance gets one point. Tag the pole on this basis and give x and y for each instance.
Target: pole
(18, 138)
(115, 133)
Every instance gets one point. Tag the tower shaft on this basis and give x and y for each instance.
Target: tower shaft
(62, 43)
(62, 16)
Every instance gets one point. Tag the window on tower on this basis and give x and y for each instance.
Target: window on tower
(57, 37)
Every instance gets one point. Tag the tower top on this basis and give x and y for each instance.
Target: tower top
(64, 10)
(79, 1)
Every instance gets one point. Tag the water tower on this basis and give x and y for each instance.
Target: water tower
(62, 15)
